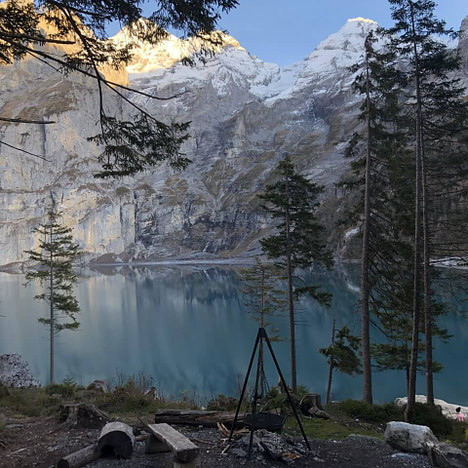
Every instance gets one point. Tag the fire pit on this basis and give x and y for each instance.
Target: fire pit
(264, 420)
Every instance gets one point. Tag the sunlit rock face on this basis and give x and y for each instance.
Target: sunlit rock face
(246, 115)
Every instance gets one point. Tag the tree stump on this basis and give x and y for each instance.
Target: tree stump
(117, 439)
(83, 415)
(311, 405)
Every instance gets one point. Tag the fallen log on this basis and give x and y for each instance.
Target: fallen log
(80, 458)
(198, 418)
(117, 439)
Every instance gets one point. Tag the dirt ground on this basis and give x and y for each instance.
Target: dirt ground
(42, 442)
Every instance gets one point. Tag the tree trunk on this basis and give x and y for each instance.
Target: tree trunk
(427, 282)
(260, 350)
(417, 242)
(292, 330)
(52, 324)
(330, 370)
(365, 318)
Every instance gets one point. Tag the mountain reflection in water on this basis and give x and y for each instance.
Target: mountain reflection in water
(186, 326)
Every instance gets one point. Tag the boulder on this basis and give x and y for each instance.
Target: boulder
(14, 372)
(409, 437)
(447, 456)
(98, 386)
(448, 409)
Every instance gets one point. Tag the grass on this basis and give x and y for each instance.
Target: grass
(129, 400)
(335, 429)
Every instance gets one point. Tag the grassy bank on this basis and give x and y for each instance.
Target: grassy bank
(129, 400)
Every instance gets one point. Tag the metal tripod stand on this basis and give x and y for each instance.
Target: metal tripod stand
(263, 337)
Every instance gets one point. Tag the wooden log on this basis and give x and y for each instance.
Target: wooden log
(116, 438)
(198, 418)
(185, 451)
(155, 445)
(80, 458)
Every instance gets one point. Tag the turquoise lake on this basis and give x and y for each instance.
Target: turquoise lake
(187, 328)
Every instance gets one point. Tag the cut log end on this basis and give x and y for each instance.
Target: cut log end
(116, 439)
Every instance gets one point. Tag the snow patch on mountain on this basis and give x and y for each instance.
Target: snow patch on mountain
(338, 52)
(168, 52)
(160, 67)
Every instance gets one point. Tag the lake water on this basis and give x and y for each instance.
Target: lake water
(186, 326)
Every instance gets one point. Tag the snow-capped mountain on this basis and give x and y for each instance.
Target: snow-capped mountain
(246, 115)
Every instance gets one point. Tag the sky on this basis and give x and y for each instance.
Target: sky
(287, 31)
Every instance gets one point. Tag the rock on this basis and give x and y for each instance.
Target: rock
(409, 437)
(99, 386)
(463, 44)
(448, 409)
(152, 393)
(14, 372)
(239, 453)
(447, 456)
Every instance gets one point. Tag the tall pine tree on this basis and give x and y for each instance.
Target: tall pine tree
(292, 201)
(376, 150)
(55, 259)
(435, 113)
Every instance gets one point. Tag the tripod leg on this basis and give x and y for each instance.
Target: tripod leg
(245, 386)
(255, 396)
(265, 336)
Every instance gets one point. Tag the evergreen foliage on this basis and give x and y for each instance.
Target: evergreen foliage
(55, 258)
(406, 156)
(292, 202)
(436, 117)
(342, 353)
(78, 28)
(263, 297)
(381, 173)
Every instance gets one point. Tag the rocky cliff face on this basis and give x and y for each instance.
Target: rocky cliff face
(246, 115)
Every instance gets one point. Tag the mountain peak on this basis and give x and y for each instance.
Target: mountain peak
(351, 36)
(361, 20)
(148, 57)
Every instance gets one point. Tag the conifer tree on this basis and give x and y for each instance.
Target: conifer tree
(376, 152)
(263, 299)
(342, 355)
(55, 258)
(435, 112)
(292, 201)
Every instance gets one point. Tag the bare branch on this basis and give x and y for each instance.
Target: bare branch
(35, 122)
(41, 40)
(24, 151)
